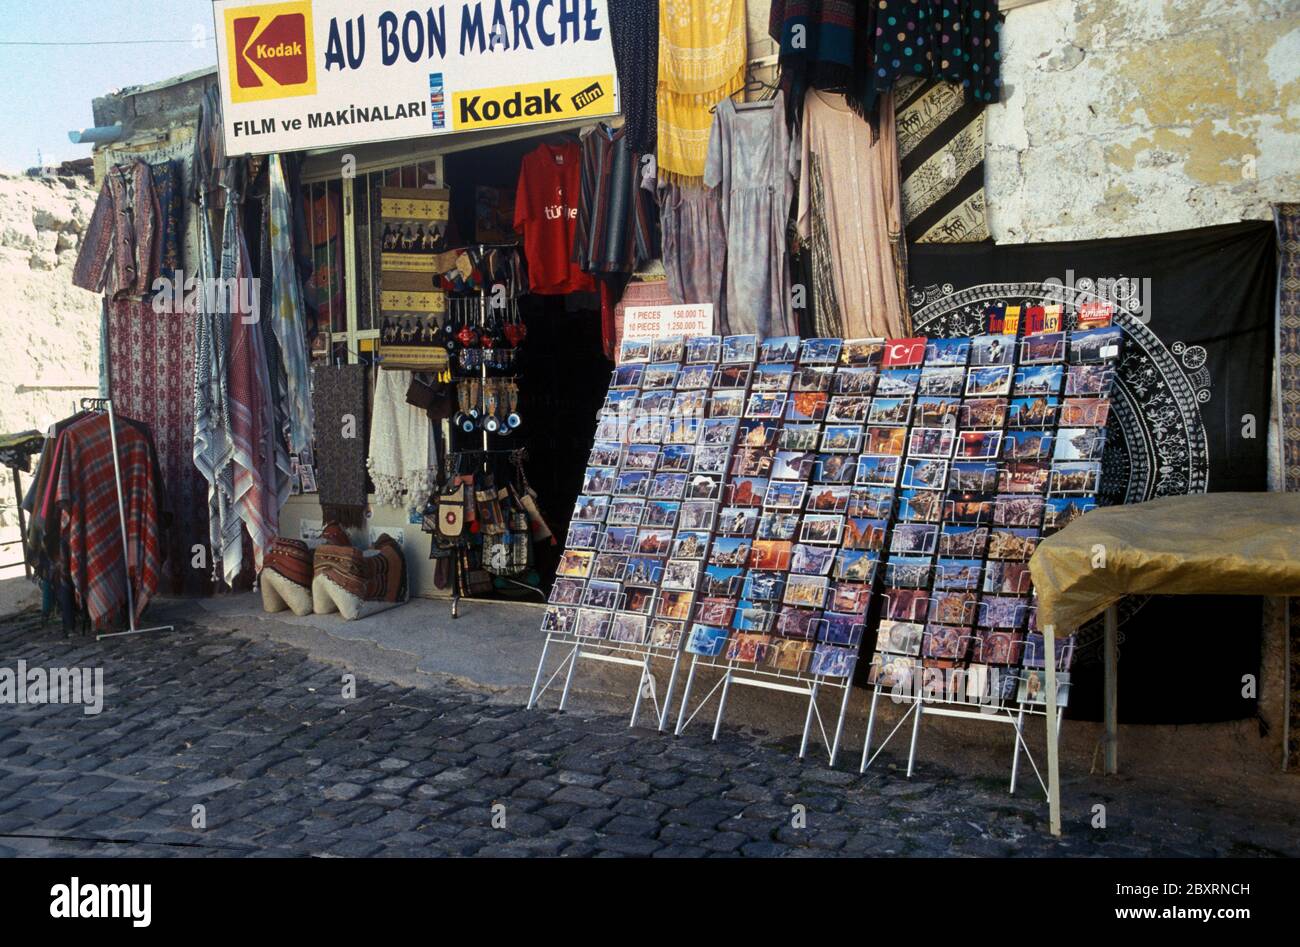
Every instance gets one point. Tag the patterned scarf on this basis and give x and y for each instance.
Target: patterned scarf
(339, 402)
(287, 307)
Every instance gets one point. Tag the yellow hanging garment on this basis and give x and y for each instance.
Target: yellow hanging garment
(701, 62)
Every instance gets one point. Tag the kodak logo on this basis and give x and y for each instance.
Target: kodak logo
(270, 50)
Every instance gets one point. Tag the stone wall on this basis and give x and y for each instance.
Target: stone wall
(49, 331)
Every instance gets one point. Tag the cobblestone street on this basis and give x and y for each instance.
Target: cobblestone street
(262, 738)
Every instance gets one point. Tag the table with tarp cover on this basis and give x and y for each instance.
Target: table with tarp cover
(1206, 544)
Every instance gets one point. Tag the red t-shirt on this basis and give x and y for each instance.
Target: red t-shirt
(546, 213)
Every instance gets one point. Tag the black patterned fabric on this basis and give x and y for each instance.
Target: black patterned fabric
(1189, 415)
(1288, 367)
(339, 392)
(634, 34)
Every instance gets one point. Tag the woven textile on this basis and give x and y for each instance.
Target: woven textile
(1288, 368)
(151, 365)
(402, 461)
(339, 402)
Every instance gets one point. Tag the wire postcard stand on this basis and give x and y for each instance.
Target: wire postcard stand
(106, 404)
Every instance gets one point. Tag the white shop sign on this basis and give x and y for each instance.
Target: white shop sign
(662, 322)
(326, 73)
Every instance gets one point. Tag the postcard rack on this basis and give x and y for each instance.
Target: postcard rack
(954, 700)
(583, 648)
(746, 674)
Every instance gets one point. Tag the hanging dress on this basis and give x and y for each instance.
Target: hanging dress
(749, 163)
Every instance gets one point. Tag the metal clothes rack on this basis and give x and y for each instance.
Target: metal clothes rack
(106, 404)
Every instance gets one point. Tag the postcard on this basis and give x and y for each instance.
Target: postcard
(807, 559)
(856, 381)
(627, 376)
(942, 381)
(1074, 477)
(860, 352)
(850, 597)
(706, 640)
(838, 628)
(925, 474)
(779, 348)
(765, 404)
(668, 349)
(1096, 345)
(582, 535)
(1085, 412)
(973, 476)
(1007, 577)
(1088, 380)
(722, 581)
(730, 551)
(909, 572)
(703, 348)
(627, 628)
(775, 377)
(890, 411)
(695, 378)
(608, 566)
(1035, 648)
(1016, 510)
(748, 648)
(992, 350)
(799, 623)
(1026, 445)
(784, 495)
(739, 348)
(715, 611)
(1002, 611)
(1024, 476)
(719, 432)
(747, 491)
(941, 641)
(775, 525)
(754, 617)
(831, 660)
(834, 468)
(674, 604)
(905, 604)
(1008, 543)
(727, 403)
(930, 442)
(1039, 380)
(988, 381)
(606, 454)
(566, 591)
(575, 562)
(953, 608)
(690, 544)
(1078, 443)
(697, 514)
(738, 521)
(808, 591)
(560, 619)
(873, 502)
(638, 599)
(598, 480)
(828, 498)
(1062, 511)
(978, 445)
(634, 350)
(822, 529)
(963, 541)
(897, 382)
(983, 413)
(894, 672)
(763, 586)
(1035, 412)
(792, 465)
(806, 405)
(885, 440)
(970, 509)
(799, 437)
(914, 538)
(771, 554)
(661, 513)
(958, 574)
(788, 655)
(665, 633)
(752, 462)
(852, 409)
(899, 637)
(1048, 347)
(934, 412)
(1033, 687)
(624, 512)
(592, 623)
(813, 378)
(920, 506)
(820, 351)
(703, 487)
(690, 404)
(856, 565)
(681, 575)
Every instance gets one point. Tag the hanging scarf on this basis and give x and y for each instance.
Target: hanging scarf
(252, 429)
(339, 403)
(402, 461)
(701, 62)
(634, 35)
(287, 308)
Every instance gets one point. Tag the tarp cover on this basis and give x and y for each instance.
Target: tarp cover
(1211, 544)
